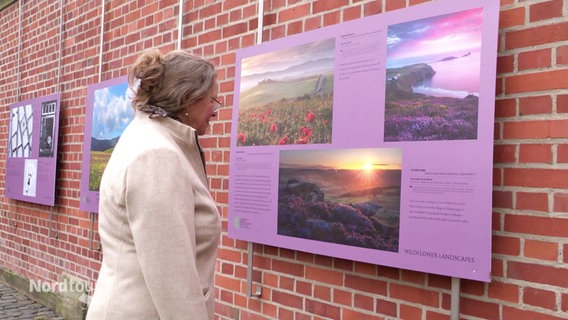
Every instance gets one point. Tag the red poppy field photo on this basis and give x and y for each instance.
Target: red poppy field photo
(286, 97)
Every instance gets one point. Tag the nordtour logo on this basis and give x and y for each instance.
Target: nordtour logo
(67, 287)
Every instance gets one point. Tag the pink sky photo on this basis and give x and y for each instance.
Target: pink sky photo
(433, 38)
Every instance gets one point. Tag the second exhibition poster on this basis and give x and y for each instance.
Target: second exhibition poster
(372, 140)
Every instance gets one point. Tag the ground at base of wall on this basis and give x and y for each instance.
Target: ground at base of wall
(63, 296)
(16, 306)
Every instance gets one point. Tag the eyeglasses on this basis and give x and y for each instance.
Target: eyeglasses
(218, 104)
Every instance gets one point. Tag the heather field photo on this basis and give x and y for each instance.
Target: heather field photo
(286, 97)
(343, 196)
(432, 78)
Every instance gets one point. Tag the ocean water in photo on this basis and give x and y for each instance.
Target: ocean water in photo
(456, 77)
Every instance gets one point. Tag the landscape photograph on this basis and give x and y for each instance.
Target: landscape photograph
(112, 112)
(343, 196)
(286, 96)
(433, 78)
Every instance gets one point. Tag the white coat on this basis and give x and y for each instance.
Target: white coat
(159, 227)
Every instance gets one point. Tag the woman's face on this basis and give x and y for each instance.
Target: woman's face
(198, 114)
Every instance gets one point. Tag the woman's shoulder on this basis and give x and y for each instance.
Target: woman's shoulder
(146, 130)
(141, 137)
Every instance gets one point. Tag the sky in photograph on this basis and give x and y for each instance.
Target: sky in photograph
(283, 59)
(351, 159)
(112, 111)
(432, 38)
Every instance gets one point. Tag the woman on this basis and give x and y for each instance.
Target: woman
(158, 223)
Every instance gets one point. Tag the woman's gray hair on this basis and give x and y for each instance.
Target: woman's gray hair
(170, 81)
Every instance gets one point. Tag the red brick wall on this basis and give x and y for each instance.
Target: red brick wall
(530, 209)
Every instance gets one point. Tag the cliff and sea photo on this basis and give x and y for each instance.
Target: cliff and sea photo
(432, 78)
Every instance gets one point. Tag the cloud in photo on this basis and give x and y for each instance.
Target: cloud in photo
(112, 111)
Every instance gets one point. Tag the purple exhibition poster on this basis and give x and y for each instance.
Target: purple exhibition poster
(31, 163)
(372, 140)
(108, 113)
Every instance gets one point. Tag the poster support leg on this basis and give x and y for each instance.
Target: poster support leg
(55, 233)
(250, 253)
(455, 302)
(11, 213)
(92, 233)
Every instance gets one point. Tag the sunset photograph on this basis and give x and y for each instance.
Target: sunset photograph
(343, 196)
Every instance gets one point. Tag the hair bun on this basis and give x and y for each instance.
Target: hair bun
(149, 69)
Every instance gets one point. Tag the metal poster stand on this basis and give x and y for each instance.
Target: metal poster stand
(55, 233)
(97, 246)
(250, 245)
(101, 42)
(455, 289)
(92, 244)
(20, 14)
(455, 302)
(250, 253)
(180, 24)
(12, 215)
(52, 213)
(15, 214)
